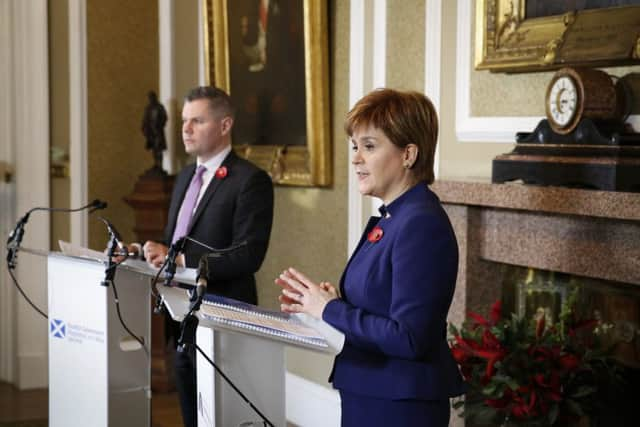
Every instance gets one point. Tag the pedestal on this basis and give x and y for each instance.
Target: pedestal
(150, 201)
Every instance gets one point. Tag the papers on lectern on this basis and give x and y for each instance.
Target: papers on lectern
(183, 275)
(293, 328)
(77, 251)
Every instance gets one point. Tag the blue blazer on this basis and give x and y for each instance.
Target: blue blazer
(396, 293)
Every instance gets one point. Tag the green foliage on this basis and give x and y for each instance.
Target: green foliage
(527, 373)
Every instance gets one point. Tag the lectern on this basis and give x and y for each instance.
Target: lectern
(98, 374)
(247, 344)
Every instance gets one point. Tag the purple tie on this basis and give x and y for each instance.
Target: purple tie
(188, 204)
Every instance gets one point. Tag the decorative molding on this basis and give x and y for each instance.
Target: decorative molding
(202, 71)
(7, 190)
(367, 71)
(356, 90)
(78, 144)
(167, 73)
(31, 144)
(379, 36)
(433, 61)
(478, 129)
(309, 404)
(377, 32)
(484, 129)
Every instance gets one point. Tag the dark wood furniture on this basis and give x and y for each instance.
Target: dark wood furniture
(150, 202)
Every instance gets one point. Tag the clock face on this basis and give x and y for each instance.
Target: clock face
(563, 101)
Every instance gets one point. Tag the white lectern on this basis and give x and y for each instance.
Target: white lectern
(247, 344)
(98, 375)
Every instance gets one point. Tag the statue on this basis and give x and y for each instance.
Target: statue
(153, 122)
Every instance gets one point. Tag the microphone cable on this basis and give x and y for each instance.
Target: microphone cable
(15, 239)
(237, 390)
(190, 321)
(115, 240)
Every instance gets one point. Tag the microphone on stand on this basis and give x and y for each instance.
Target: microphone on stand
(15, 240)
(201, 284)
(170, 263)
(114, 241)
(15, 237)
(196, 296)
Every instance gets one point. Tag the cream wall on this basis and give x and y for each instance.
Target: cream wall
(122, 66)
(405, 68)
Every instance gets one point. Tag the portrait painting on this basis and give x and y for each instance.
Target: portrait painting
(271, 57)
(541, 8)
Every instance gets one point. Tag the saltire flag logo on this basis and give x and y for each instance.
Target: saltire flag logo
(58, 328)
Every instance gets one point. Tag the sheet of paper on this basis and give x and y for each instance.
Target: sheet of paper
(70, 249)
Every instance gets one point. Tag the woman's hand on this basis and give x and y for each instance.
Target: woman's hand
(301, 295)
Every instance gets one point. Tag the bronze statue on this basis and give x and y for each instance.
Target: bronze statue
(153, 122)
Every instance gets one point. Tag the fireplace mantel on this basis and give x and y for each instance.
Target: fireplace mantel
(556, 200)
(586, 233)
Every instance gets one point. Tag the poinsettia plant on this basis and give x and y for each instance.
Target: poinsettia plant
(523, 371)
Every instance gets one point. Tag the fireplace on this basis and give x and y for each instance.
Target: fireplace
(508, 231)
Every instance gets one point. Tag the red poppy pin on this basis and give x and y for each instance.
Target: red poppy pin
(375, 234)
(221, 172)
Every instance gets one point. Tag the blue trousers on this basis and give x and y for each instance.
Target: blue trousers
(367, 411)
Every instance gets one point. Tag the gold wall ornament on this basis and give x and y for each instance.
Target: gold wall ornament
(293, 144)
(508, 41)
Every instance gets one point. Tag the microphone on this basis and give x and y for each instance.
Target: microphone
(115, 240)
(97, 205)
(174, 250)
(15, 237)
(201, 284)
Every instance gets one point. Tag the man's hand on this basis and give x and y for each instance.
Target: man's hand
(155, 253)
(131, 247)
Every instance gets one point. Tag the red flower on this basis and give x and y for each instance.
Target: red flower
(502, 402)
(375, 234)
(496, 312)
(459, 354)
(569, 362)
(524, 369)
(221, 172)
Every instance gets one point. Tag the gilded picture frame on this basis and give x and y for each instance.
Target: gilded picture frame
(506, 41)
(282, 110)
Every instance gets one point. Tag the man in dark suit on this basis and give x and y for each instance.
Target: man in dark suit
(222, 201)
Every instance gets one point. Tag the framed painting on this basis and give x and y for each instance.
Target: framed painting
(535, 35)
(271, 56)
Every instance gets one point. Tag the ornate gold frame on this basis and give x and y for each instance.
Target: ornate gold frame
(308, 165)
(507, 42)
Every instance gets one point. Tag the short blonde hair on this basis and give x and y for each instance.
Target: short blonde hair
(405, 118)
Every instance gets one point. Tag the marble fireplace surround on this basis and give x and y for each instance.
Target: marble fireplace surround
(583, 232)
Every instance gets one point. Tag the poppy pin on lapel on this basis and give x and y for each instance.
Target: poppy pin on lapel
(221, 172)
(375, 234)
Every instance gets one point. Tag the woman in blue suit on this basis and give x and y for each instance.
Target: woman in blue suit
(396, 368)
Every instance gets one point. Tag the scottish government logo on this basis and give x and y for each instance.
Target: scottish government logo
(58, 328)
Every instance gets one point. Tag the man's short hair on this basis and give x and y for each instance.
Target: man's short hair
(219, 100)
